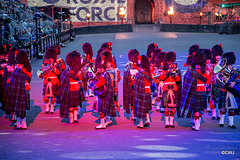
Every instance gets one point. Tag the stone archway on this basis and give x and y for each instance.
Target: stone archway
(144, 11)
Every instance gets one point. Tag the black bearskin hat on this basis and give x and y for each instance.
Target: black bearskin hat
(107, 45)
(160, 58)
(145, 63)
(99, 52)
(193, 48)
(151, 48)
(58, 49)
(156, 52)
(170, 57)
(22, 58)
(216, 51)
(189, 61)
(207, 53)
(133, 55)
(101, 62)
(73, 60)
(230, 56)
(108, 55)
(199, 58)
(11, 55)
(87, 49)
(51, 53)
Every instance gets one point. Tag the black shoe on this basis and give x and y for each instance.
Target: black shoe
(233, 127)
(46, 112)
(14, 121)
(157, 110)
(166, 126)
(221, 125)
(171, 126)
(51, 112)
(213, 118)
(140, 127)
(146, 124)
(75, 121)
(218, 118)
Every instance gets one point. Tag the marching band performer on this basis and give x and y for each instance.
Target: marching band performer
(199, 59)
(227, 100)
(156, 78)
(50, 74)
(217, 52)
(172, 86)
(106, 107)
(130, 72)
(192, 49)
(142, 88)
(87, 68)
(18, 97)
(114, 74)
(207, 53)
(70, 88)
(3, 64)
(9, 68)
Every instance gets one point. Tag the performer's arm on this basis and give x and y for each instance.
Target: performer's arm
(100, 83)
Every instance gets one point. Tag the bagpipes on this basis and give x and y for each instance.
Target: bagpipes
(101, 91)
(226, 76)
(88, 68)
(48, 67)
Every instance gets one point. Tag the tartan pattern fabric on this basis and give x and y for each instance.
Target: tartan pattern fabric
(18, 99)
(106, 104)
(188, 95)
(128, 91)
(74, 98)
(7, 75)
(213, 75)
(200, 101)
(164, 100)
(64, 94)
(142, 99)
(216, 90)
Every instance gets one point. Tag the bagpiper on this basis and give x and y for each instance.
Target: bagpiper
(172, 86)
(18, 97)
(70, 88)
(142, 88)
(130, 71)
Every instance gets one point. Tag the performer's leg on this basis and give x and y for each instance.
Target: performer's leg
(140, 125)
(200, 118)
(102, 119)
(231, 115)
(153, 101)
(17, 124)
(108, 121)
(196, 117)
(214, 114)
(75, 114)
(71, 115)
(24, 123)
(13, 117)
(218, 112)
(46, 101)
(132, 113)
(158, 104)
(166, 112)
(147, 123)
(223, 111)
(90, 93)
(172, 113)
(52, 105)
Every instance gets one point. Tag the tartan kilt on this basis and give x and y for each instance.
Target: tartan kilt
(222, 100)
(200, 101)
(101, 105)
(85, 80)
(216, 90)
(55, 90)
(164, 102)
(148, 102)
(28, 99)
(74, 99)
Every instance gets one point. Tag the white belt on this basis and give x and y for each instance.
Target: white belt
(73, 82)
(200, 85)
(26, 83)
(171, 83)
(51, 77)
(147, 87)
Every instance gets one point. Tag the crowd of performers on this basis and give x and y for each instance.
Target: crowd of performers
(209, 83)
